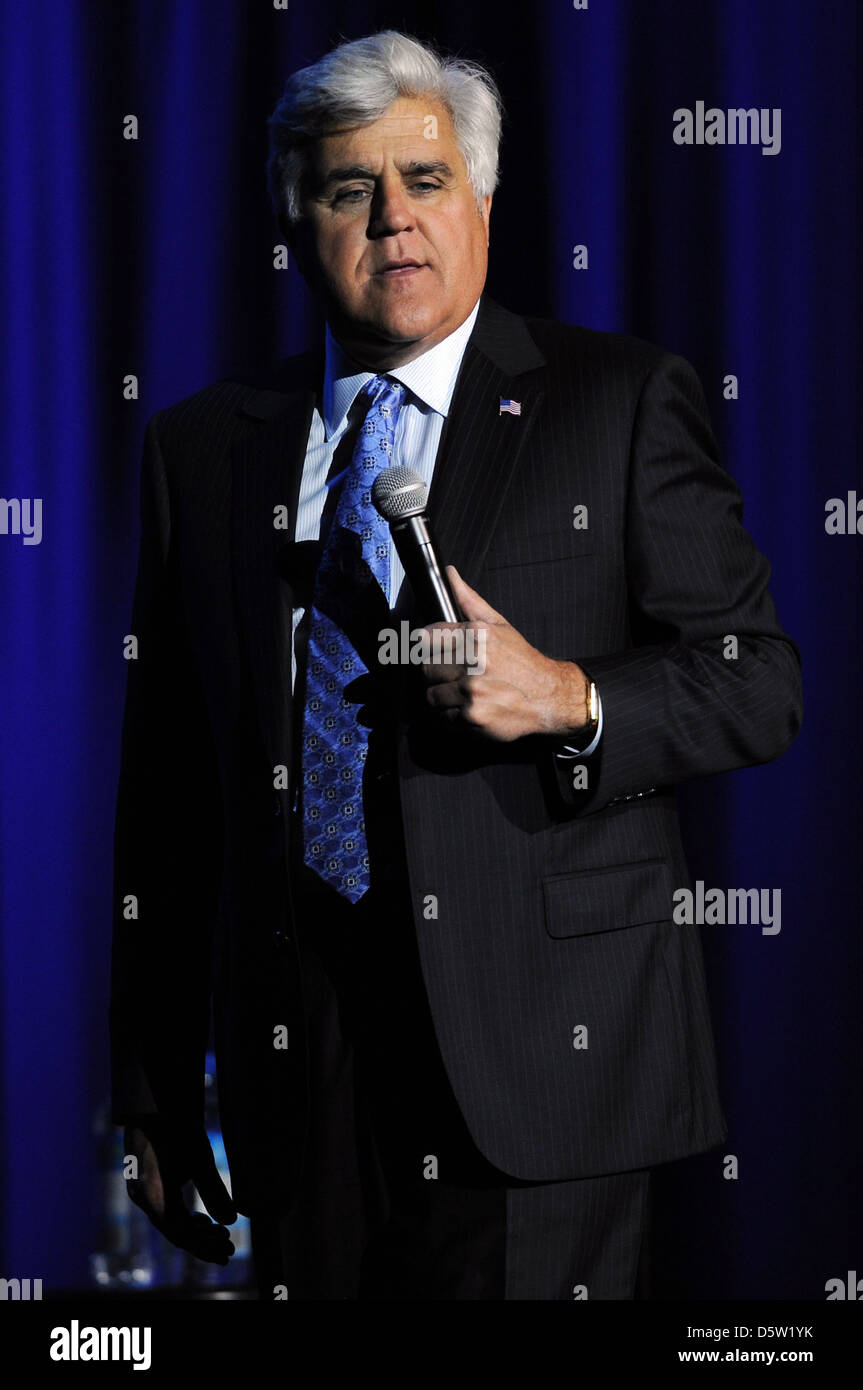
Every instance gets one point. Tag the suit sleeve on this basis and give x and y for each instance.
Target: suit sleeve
(166, 841)
(684, 700)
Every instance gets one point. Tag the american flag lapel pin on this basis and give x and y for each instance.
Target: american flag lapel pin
(509, 407)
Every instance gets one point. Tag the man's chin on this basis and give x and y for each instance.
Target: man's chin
(401, 327)
(380, 334)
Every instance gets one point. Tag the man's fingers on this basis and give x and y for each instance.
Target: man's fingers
(443, 640)
(447, 695)
(442, 675)
(454, 650)
(472, 604)
(188, 1230)
(195, 1232)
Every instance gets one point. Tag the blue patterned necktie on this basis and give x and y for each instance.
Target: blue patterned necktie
(354, 569)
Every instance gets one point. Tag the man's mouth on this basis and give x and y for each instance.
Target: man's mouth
(396, 270)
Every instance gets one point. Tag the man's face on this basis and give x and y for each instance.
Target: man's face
(391, 239)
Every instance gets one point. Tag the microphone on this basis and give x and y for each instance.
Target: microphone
(400, 496)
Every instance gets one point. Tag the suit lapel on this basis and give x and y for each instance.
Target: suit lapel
(481, 447)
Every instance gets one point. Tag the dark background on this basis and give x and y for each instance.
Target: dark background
(155, 257)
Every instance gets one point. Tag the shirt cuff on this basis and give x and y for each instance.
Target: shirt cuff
(567, 751)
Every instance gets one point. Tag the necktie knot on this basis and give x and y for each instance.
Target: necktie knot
(384, 395)
(378, 385)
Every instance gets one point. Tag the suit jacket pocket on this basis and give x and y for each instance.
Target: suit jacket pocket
(601, 900)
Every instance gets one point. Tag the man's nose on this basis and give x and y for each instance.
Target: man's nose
(390, 211)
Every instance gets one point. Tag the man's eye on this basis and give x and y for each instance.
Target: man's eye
(354, 195)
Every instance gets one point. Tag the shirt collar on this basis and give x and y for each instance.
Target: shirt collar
(430, 377)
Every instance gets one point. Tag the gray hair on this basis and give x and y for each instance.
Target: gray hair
(355, 83)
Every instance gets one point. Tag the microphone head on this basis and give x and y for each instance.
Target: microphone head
(398, 493)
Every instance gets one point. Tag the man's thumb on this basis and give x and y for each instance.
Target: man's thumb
(472, 604)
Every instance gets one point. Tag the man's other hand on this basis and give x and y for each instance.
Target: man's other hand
(512, 689)
(165, 1165)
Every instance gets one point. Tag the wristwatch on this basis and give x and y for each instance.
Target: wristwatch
(591, 699)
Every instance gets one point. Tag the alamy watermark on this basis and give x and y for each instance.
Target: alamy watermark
(718, 906)
(77, 1343)
(20, 1290)
(433, 646)
(21, 516)
(710, 125)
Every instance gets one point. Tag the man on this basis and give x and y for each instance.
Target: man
(455, 1024)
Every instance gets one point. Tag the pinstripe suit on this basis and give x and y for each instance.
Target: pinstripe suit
(552, 906)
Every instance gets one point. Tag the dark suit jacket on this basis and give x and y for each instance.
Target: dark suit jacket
(553, 905)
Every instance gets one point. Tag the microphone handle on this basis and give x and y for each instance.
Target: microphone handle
(414, 543)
